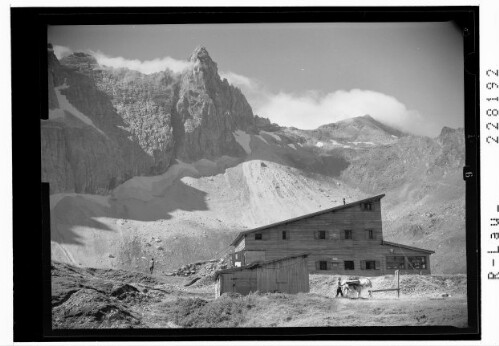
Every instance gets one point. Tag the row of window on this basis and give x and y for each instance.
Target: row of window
(347, 265)
(392, 262)
(399, 262)
(322, 235)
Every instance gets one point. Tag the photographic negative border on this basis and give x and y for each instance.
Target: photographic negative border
(31, 224)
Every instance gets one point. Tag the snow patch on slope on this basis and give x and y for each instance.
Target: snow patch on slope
(65, 105)
(368, 143)
(276, 137)
(243, 139)
(292, 146)
(263, 139)
(319, 144)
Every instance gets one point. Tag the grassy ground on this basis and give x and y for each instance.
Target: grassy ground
(312, 310)
(97, 298)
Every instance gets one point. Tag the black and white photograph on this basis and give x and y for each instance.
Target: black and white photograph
(256, 175)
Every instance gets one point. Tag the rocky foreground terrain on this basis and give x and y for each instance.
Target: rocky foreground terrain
(107, 298)
(174, 165)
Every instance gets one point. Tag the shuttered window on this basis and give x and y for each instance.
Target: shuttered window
(370, 265)
(347, 234)
(284, 235)
(321, 235)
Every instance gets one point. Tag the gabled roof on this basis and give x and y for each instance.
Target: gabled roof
(258, 264)
(340, 207)
(387, 243)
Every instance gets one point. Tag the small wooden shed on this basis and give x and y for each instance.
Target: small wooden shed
(286, 275)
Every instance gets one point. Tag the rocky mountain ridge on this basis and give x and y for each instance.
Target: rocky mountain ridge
(134, 124)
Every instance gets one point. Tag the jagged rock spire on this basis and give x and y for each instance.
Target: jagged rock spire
(200, 53)
(201, 60)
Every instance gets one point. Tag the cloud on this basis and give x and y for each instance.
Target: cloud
(240, 81)
(311, 109)
(61, 51)
(146, 67)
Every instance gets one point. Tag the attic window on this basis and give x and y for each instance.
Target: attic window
(284, 235)
(370, 234)
(258, 236)
(367, 206)
(322, 234)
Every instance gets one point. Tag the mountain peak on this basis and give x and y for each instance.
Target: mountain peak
(201, 54)
(361, 129)
(449, 130)
(80, 61)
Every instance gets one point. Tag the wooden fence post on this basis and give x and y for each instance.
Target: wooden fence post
(398, 283)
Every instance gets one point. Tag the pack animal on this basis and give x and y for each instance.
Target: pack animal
(357, 285)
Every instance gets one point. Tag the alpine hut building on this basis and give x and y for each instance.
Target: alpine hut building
(344, 240)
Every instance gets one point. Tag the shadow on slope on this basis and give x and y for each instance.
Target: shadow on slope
(74, 215)
(287, 151)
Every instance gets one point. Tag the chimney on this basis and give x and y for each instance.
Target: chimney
(344, 201)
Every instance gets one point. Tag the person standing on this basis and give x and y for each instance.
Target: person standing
(339, 290)
(151, 267)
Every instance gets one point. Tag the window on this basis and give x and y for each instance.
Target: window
(348, 234)
(349, 265)
(370, 265)
(395, 262)
(322, 265)
(370, 234)
(367, 206)
(416, 262)
(284, 235)
(258, 236)
(322, 234)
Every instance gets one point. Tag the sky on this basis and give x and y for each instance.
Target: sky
(407, 75)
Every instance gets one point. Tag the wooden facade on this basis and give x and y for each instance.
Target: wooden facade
(287, 275)
(345, 240)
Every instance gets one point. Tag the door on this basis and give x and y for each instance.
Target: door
(282, 281)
